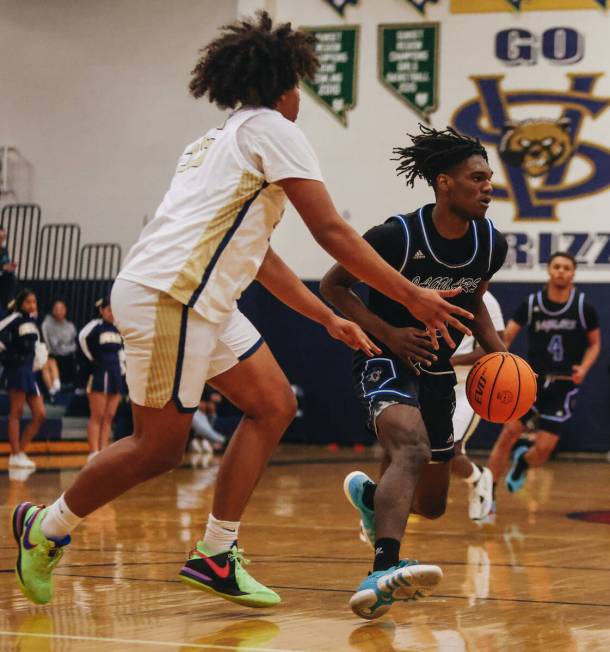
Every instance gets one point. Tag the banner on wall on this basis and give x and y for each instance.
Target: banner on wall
(420, 5)
(485, 6)
(340, 5)
(408, 64)
(334, 85)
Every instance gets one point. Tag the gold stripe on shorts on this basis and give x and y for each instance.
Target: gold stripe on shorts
(164, 355)
(472, 426)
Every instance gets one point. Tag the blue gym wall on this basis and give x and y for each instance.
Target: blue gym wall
(322, 367)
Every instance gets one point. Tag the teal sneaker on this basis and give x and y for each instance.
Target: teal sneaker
(353, 487)
(223, 575)
(409, 580)
(515, 478)
(37, 556)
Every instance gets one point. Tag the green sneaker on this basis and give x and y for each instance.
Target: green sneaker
(37, 555)
(223, 575)
(353, 487)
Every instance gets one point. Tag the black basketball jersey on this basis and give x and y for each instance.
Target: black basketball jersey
(411, 244)
(557, 333)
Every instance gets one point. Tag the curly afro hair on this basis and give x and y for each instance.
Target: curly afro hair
(251, 63)
(435, 152)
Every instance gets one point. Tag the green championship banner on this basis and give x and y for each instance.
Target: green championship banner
(408, 64)
(334, 85)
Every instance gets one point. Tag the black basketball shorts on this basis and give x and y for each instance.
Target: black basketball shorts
(383, 381)
(554, 406)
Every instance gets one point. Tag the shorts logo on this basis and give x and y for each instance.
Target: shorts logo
(374, 376)
(539, 148)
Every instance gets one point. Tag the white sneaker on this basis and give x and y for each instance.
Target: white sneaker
(26, 462)
(14, 461)
(480, 499)
(195, 445)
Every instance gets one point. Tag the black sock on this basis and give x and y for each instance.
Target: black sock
(386, 554)
(520, 467)
(368, 495)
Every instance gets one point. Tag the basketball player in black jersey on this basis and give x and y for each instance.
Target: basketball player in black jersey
(407, 390)
(564, 342)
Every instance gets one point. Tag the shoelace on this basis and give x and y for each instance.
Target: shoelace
(237, 555)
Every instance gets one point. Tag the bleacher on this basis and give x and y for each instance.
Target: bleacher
(53, 262)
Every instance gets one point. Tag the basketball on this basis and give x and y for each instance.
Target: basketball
(501, 387)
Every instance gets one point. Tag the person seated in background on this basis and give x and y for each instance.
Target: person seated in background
(19, 338)
(205, 438)
(102, 345)
(59, 335)
(8, 280)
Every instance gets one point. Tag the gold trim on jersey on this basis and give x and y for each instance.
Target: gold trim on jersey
(191, 274)
(164, 355)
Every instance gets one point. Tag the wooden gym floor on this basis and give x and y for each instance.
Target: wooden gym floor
(537, 580)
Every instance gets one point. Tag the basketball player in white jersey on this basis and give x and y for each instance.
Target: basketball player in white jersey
(175, 306)
(465, 420)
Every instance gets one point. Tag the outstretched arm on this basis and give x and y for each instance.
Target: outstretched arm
(283, 283)
(332, 233)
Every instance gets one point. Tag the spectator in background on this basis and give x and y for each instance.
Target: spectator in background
(19, 337)
(203, 423)
(59, 335)
(8, 280)
(102, 345)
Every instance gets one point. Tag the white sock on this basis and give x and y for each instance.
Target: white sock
(56, 385)
(474, 477)
(220, 535)
(59, 520)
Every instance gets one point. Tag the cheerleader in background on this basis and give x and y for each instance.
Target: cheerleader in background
(23, 353)
(102, 345)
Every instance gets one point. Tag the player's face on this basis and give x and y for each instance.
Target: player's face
(561, 272)
(469, 188)
(289, 103)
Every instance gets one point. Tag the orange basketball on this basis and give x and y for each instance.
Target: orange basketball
(501, 387)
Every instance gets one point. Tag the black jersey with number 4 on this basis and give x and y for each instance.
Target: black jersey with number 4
(557, 332)
(412, 245)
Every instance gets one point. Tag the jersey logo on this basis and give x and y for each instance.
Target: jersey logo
(419, 255)
(467, 284)
(539, 154)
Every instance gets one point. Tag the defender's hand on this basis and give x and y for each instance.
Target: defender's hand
(352, 335)
(436, 313)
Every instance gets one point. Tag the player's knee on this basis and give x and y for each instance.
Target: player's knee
(280, 406)
(412, 451)
(152, 460)
(434, 510)
(431, 509)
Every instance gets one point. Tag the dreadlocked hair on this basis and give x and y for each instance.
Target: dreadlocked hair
(251, 63)
(435, 152)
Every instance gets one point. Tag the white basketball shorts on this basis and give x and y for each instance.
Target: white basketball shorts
(465, 421)
(171, 350)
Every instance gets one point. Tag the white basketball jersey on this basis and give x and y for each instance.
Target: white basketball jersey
(211, 232)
